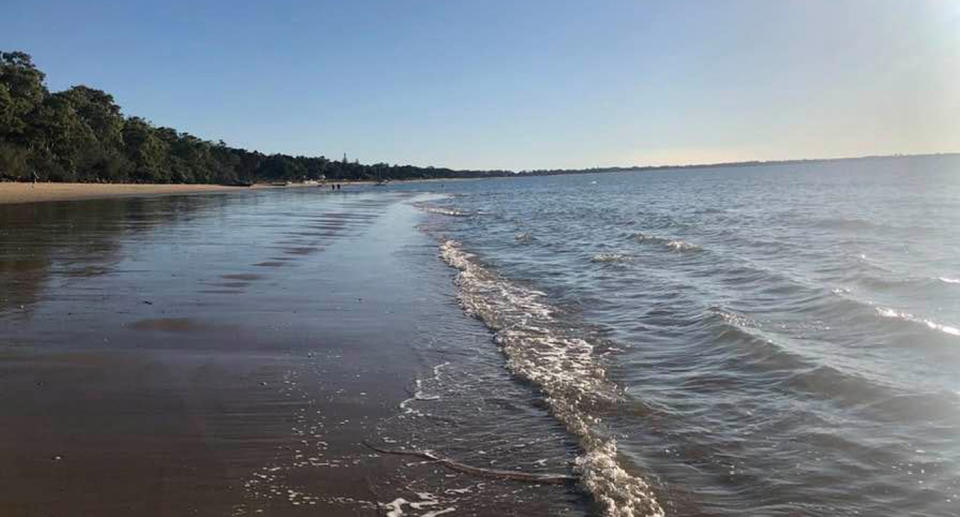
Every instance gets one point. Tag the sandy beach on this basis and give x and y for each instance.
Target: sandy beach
(16, 192)
(11, 192)
(228, 355)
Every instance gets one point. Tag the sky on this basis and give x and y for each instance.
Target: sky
(518, 84)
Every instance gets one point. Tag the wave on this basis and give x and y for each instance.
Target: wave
(732, 317)
(677, 245)
(452, 212)
(441, 210)
(540, 349)
(853, 308)
(610, 258)
(848, 224)
(871, 263)
(908, 285)
(905, 316)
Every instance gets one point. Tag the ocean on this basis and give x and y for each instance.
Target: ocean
(760, 340)
(767, 340)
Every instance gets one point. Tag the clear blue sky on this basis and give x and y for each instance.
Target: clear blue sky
(518, 84)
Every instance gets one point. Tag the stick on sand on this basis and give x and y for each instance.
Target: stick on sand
(553, 479)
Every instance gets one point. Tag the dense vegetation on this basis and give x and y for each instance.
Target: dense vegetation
(81, 135)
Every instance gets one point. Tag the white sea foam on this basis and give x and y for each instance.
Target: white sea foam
(949, 280)
(395, 508)
(891, 313)
(677, 245)
(541, 349)
(680, 246)
(734, 318)
(418, 394)
(610, 257)
(452, 212)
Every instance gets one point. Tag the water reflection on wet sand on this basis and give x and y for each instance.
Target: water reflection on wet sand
(156, 359)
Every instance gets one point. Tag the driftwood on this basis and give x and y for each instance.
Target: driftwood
(528, 477)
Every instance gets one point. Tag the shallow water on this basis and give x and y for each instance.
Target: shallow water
(774, 340)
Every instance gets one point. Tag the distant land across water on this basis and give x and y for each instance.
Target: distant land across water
(751, 163)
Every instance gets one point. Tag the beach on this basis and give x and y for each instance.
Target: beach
(230, 355)
(23, 192)
(650, 337)
(19, 192)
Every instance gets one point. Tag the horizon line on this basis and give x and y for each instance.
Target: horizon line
(742, 163)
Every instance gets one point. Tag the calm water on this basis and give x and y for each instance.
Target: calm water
(775, 340)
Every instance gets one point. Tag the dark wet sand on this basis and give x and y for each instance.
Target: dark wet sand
(131, 390)
(155, 359)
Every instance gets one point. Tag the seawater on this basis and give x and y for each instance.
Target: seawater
(764, 340)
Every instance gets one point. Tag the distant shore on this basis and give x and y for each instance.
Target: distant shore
(17, 192)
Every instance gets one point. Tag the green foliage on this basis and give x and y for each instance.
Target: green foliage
(80, 134)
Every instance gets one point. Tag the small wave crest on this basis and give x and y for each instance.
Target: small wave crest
(441, 210)
(948, 280)
(677, 245)
(539, 348)
(602, 258)
(452, 212)
(905, 316)
(732, 317)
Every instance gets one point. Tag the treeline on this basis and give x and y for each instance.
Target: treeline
(80, 134)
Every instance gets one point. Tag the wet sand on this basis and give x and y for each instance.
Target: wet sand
(227, 355)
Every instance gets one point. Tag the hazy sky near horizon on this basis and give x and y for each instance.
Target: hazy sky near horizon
(518, 84)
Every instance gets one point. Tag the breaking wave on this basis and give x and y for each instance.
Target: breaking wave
(677, 245)
(541, 349)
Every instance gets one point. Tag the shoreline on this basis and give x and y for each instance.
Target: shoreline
(157, 362)
(23, 192)
(16, 193)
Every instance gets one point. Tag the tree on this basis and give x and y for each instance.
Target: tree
(80, 134)
(145, 151)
